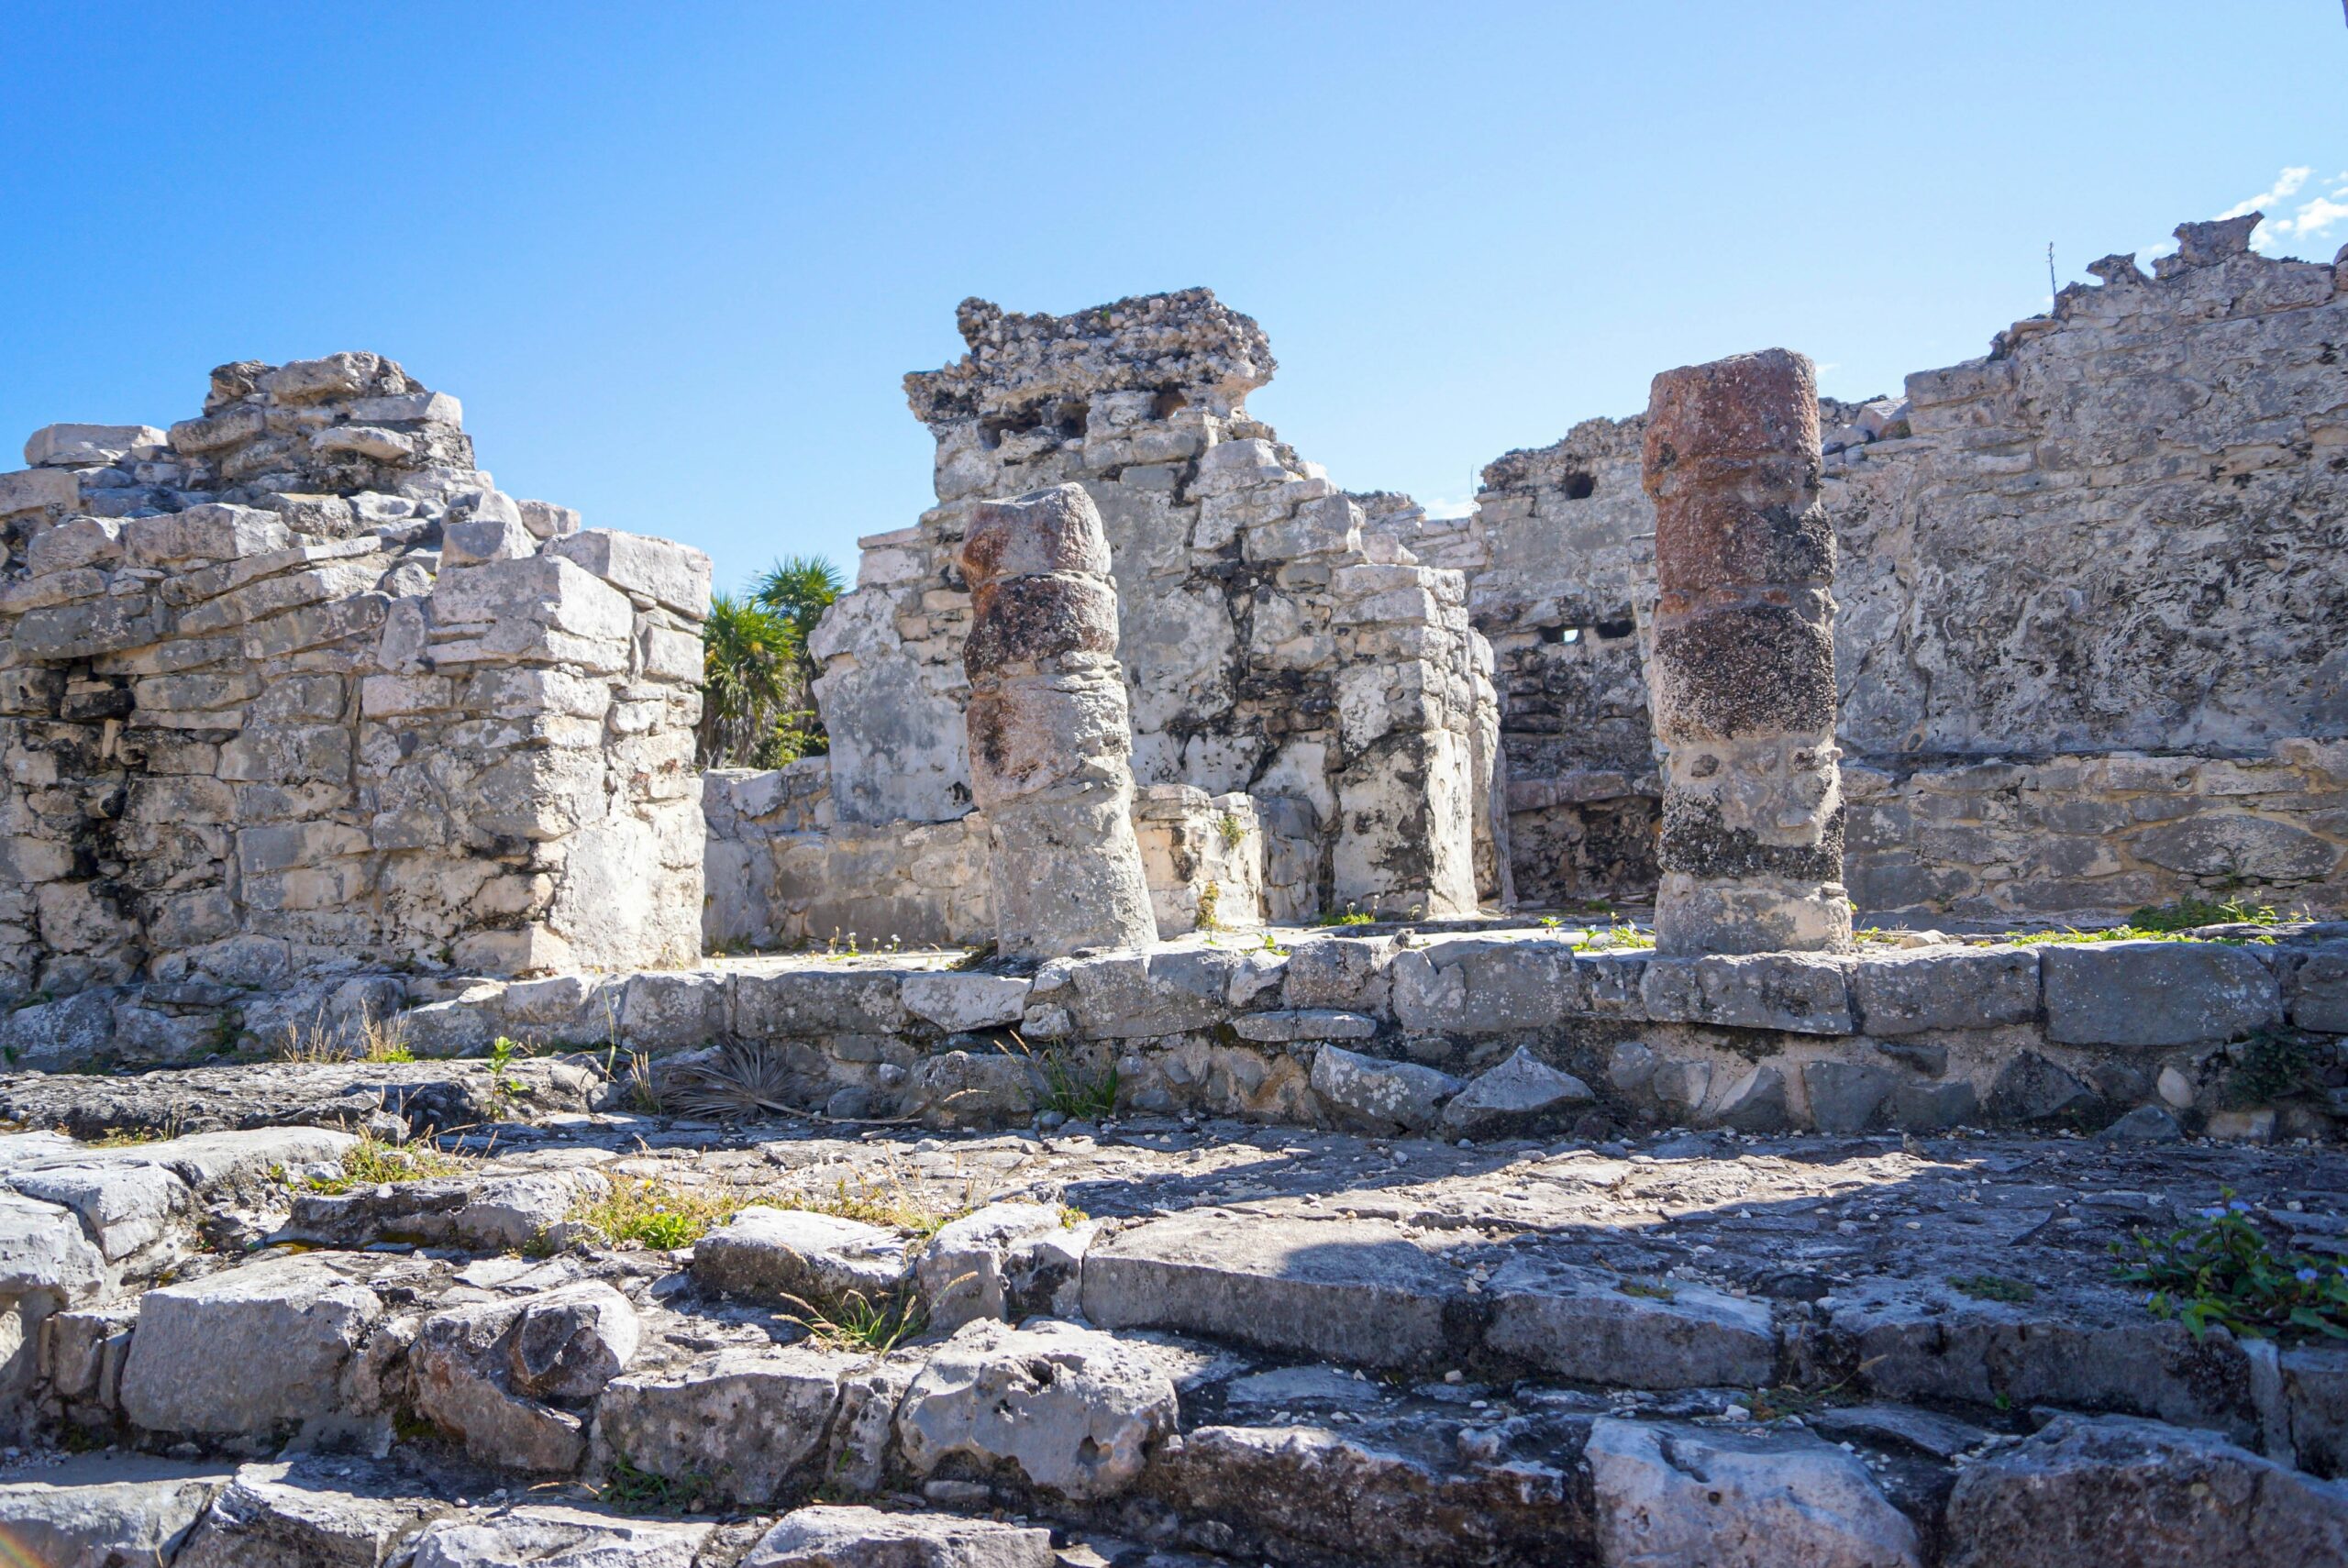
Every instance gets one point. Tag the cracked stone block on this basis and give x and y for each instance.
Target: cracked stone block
(1671, 1493)
(2157, 993)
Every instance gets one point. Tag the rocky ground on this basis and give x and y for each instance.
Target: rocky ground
(552, 1334)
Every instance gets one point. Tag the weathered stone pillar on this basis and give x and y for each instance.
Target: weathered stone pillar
(1742, 673)
(1051, 745)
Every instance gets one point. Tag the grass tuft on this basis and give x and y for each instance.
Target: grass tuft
(655, 1213)
(371, 1162)
(858, 1323)
(1995, 1287)
(873, 1203)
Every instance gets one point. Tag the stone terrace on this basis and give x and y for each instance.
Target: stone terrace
(1163, 1340)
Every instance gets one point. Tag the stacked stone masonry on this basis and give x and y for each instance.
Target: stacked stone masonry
(1270, 647)
(1480, 1035)
(291, 693)
(2089, 641)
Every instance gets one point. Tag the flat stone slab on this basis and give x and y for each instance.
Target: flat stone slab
(2157, 993)
(1629, 1332)
(1353, 1290)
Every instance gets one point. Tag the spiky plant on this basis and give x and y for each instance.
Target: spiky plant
(743, 1079)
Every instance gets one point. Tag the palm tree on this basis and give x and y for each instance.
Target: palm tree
(750, 666)
(757, 706)
(798, 588)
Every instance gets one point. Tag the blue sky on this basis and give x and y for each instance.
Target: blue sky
(675, 259)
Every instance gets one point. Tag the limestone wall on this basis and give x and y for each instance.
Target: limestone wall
(2118, 532)
(783, 871)
(1270, 646)
(292, 690)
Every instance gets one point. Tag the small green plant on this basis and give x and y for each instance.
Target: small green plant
(2273, 1065)
(2186, 914)
(1995, 1287)
(630, 1490)
(1210, 899)
(2129, 934)
(2218, 1268)
(373, 1162)
(1273, 947)
(1551, 922)
(657, 1214)
(1352, 916)
(1652, 1290)
(856, 1322)
(1233, 831)
(1076, 1094)
(1618, 934)
(501, 1054)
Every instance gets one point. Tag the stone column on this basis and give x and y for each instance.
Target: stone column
(1051, 745)
(1742, 672)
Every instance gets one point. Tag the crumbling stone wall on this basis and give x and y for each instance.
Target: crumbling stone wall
(291, 691)
(1269, 646)
(2114, 540)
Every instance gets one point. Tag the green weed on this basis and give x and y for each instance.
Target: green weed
(858, 1323)
(372, 1163)
(2220, 1268)
(657, 1214)
(1995, 1287)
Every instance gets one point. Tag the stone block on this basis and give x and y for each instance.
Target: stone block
(1473, 986)
(2315, 988)
(2155, 993)
(806, 1003)
(1519, 1096)
(1803, 993)
(841, 1536)
(214, 531)
(2119, 1489)
(745, 1422)
(670, 574)
(1297, 1024)
(59, 446)
(957, 1002)
(1945, 988)
(1673, 1494)
(543, 591)
(1074, 1410)
(1844, 1096)
(256, 1349)
(1380, 1094)
(775, 1255)
(37, 490)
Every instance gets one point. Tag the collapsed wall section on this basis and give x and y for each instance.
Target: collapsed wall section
(2078, 576)
(292, 690)
(1270, 648)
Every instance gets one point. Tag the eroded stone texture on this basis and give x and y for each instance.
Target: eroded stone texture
(1743, 671)
(2017, 639)
(296, 688)
(1049, 741)
(1271, 645)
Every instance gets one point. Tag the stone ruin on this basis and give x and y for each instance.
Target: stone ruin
(292, 690)
(387, 1179)
(1288, 665)
(2087, 637)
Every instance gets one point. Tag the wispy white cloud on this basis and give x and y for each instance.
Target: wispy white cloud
(2316, 217)
(1448, 506)
(2312, 220)
(2286, 185)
